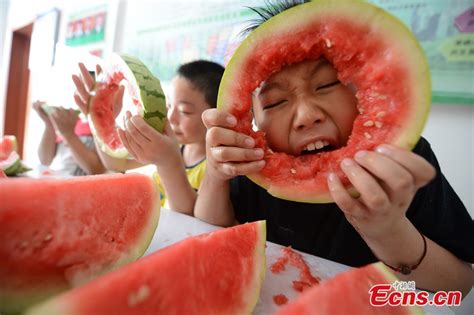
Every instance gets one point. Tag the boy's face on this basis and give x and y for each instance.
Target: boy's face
(185, 106)
(304, 108)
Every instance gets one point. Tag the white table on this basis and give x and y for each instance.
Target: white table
(174, 227)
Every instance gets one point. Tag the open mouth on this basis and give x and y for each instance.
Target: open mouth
(316, 147)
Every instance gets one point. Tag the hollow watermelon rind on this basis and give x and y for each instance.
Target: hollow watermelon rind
(177, 279)
(41, 258)
(147, 97)
(309, 31)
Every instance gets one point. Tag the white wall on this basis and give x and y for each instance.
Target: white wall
(450, 130)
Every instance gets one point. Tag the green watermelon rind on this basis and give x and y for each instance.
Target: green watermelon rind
(259, 276)
(13, 165)
(49, 109)
(382, 23)
(151, 94)
(12, 304)
(144, 87)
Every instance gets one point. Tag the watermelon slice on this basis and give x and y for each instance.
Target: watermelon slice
(216, 273)
(144, 97)
(10, 161)
(59, 233)
(369, 48)
(347, 293)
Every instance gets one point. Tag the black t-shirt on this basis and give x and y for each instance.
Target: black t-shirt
(322, 229)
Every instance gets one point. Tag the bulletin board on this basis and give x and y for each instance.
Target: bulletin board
(211, 31)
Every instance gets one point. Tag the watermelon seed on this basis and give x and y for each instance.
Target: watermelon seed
(367, 135)
(293, 171)
(328, 43)
(48, 237)
(380, 114)
(142, 294)
(378, 124)
(368, 123)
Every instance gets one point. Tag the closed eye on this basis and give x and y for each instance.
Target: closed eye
(265, 107)
(325, 86)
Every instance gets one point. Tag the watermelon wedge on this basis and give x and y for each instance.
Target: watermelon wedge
(216, 273)
(59, 233)
(10, 161)
(347, 293)
(370, 49)
(144, 97)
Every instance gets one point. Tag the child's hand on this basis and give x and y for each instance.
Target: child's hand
(64, 121)
(228, 152)
(84, 87)
(38, 107)
(387, 181)
(148, 146)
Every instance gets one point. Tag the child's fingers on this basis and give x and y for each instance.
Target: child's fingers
(86, 76)
(217, 118)
(233, 154)
(80, 88)
(133, 148)
(421, 170)
(81, 104)
(141, 126)
(235, 169)
(371, 192)
(217, 136)
(348, 204)
(135, 133)
(397, 180)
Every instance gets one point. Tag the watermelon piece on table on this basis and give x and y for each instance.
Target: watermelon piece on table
(347, 293)
(215, 273)
(10, 161)
(59, 233)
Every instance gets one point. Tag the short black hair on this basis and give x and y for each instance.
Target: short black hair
(268, 11)
(205, 76)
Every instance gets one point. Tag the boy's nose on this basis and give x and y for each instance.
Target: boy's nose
(307, 114)
(172, 115)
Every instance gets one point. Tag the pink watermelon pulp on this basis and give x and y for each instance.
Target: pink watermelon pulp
(347, 293)
(10, 161)
(56, 234)
(216, 273)
(144, 97)
(369, 48)
(8, 145)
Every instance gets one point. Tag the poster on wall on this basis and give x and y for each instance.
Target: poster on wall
(209, 30)
(87, 27)
(445, 30)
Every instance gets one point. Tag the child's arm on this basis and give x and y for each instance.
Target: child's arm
(84, 84)
(228, 154)
(387, 181)
(64, 121)
(47, 147)
(148, 146)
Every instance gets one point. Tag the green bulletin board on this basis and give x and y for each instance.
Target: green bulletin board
(212, 31)
(445, 29)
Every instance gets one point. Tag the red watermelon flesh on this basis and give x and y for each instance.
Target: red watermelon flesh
(369, 48)
(59, 233)
(7, 145)
(216, 273)
(347, 293)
